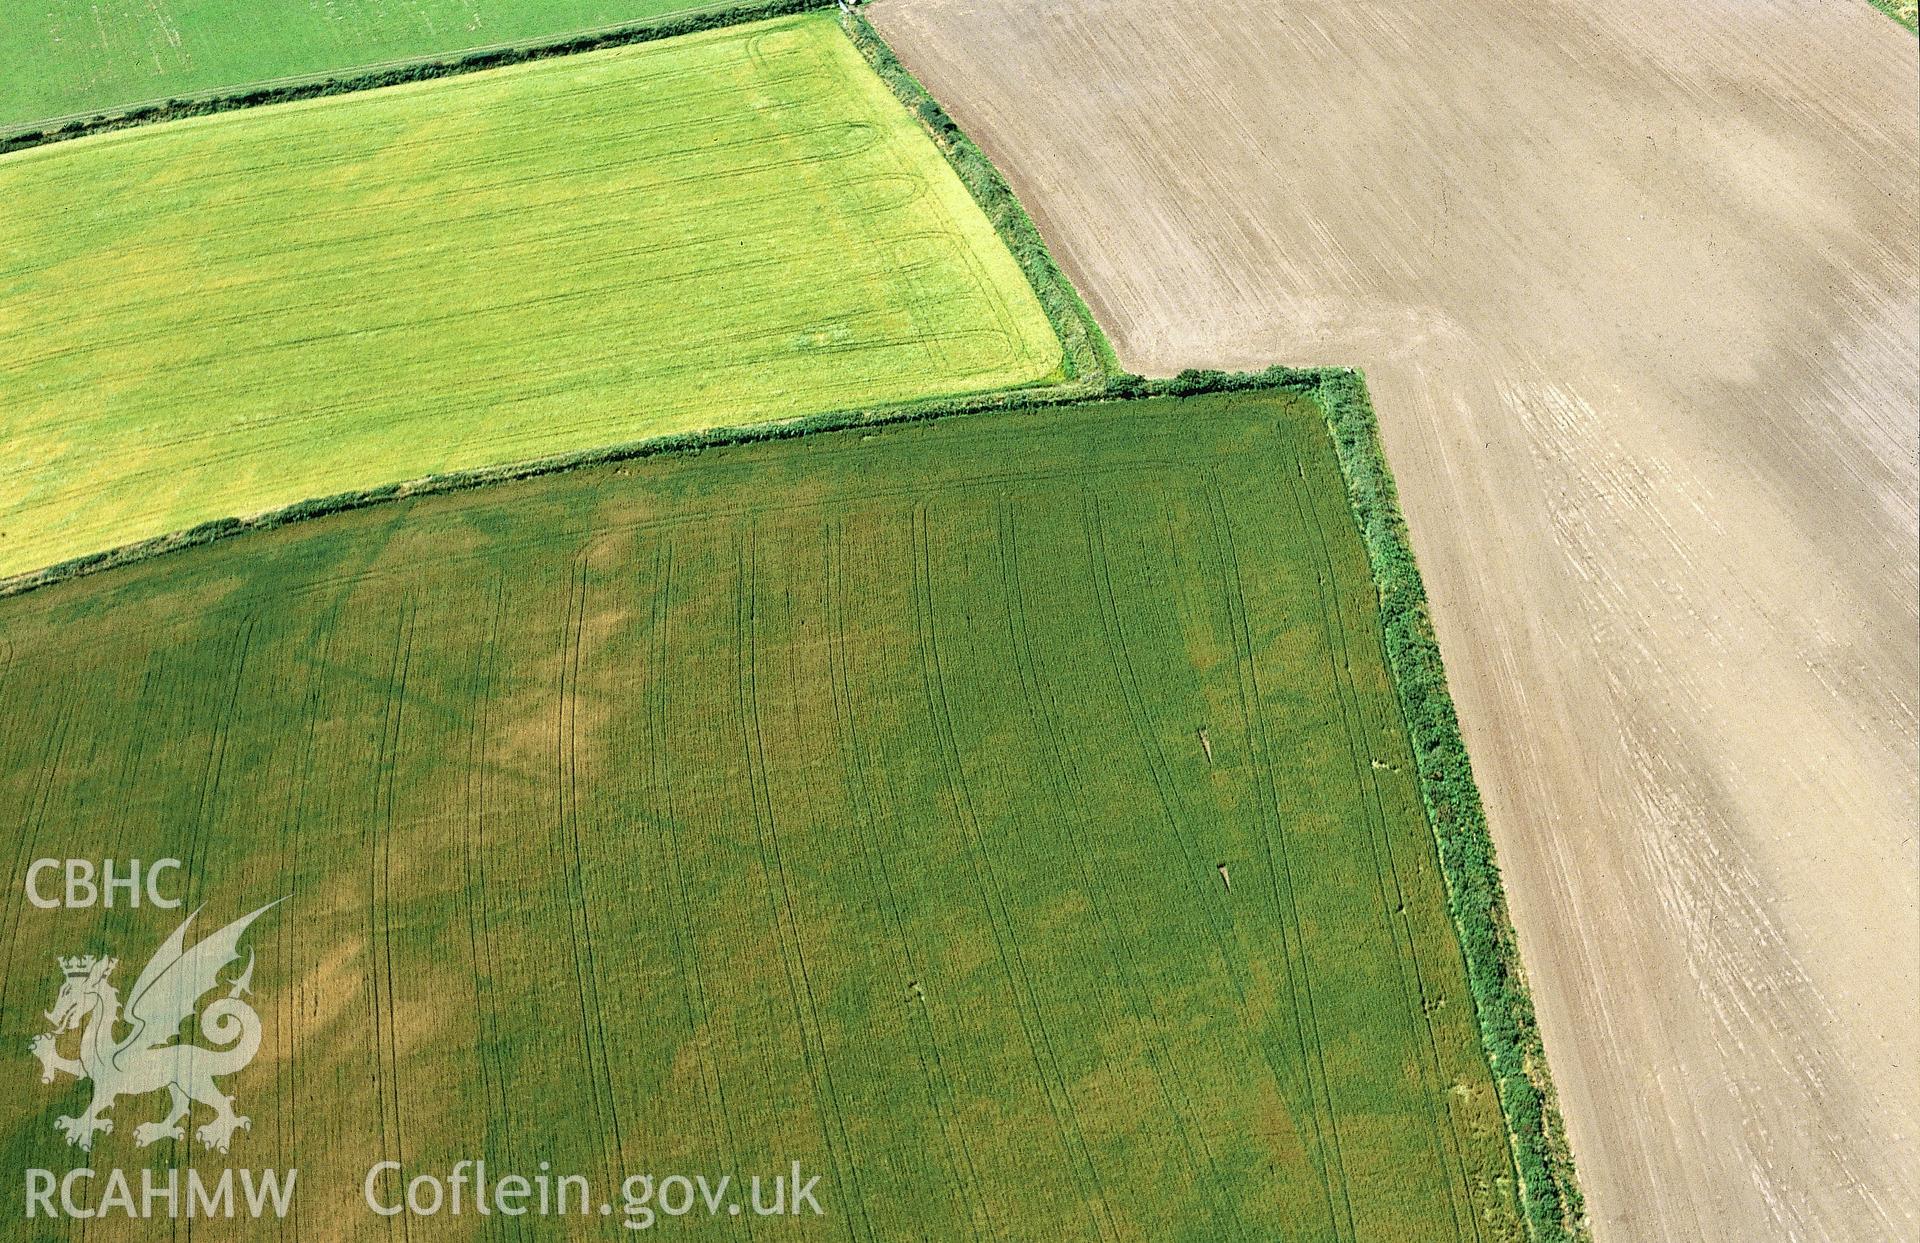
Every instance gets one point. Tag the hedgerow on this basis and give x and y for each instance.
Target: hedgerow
(1089, 356)
(416, 71)
(1906, 12)
(1550, 1197)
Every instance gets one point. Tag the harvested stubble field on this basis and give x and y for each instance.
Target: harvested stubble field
(79, 57)
(1634, 287)
(863, 801)
(220, 316)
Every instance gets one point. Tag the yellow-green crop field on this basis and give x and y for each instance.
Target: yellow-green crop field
(1009, 818)
(220, 316)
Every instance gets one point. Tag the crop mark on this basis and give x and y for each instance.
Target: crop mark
(579, 916)
(1159, 768)
(543, 105)
(793, 959)
(753, 121)
(201, 826)
(1280, 878)
(353, 268)
(385, 1055)
(684, 927)
(1064, 778)
(704, 352)
(1303, 1045)
(993, 897)
(293, 826)
(47, 775)
(1445, 1136)
(874, 855)
(432, 253)
(744, 294)
(1035, 744)
(473, 855)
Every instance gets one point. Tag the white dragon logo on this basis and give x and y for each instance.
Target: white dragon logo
(152, 1056)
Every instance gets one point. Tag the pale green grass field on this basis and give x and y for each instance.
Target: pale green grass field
(226, 315)
(71, 57)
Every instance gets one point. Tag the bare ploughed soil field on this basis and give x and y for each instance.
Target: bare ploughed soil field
(1634, 285)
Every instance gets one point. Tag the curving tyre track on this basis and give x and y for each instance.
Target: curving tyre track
(1635, 288)
(254, 308)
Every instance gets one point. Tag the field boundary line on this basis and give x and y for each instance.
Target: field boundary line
(1902, 13)
(787, 934)
(473, 869)
(1054, 1085)
(920, 410)
(1328, 591)
(1086, 353)
(23, 135)
(384, 1054)
(594, 1054)
(1550, 1198)
(1273, 830)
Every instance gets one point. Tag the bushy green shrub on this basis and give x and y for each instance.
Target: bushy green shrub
(1549, 1194)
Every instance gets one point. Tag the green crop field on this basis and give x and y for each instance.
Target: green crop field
(216, 317)
(1007, 817)
(68, 57)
